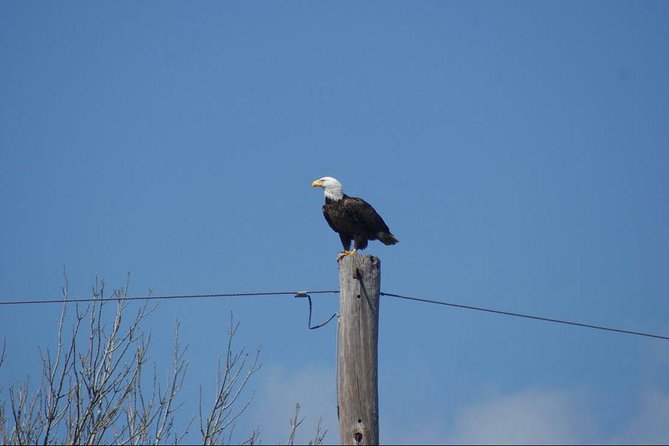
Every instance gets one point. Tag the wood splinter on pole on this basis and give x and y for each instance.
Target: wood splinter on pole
(357, 349)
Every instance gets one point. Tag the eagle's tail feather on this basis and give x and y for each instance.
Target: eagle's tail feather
(387, 238)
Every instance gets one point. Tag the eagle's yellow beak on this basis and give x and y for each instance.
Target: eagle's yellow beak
(317, 183)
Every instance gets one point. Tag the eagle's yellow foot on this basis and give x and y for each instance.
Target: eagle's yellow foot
(342, 254)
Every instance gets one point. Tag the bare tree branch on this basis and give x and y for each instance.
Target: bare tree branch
(294, 424)
(94, 395)
(230, 383)
(320, 434)
(4, 436)
(93, 387)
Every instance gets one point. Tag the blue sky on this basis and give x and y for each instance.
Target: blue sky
(518, 150)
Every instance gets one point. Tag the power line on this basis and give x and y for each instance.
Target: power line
(527, 316)
(168, 297)
(307, 293)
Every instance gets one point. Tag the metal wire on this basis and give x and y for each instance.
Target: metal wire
(168, 297)
(528, 316)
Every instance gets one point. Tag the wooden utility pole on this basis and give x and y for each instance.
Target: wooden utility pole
(357, 353)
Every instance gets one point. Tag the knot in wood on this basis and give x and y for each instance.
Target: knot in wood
(357, 432)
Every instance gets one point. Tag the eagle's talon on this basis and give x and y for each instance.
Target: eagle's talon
(343, 254)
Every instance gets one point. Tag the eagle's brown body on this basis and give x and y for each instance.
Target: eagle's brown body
(356, 220)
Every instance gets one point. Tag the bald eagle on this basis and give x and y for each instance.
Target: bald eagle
(352, 218)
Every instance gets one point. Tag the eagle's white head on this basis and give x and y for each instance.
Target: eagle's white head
(332, 188)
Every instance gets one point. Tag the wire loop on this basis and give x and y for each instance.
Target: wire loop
(310, 310)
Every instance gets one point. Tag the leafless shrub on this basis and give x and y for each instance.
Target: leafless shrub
(90, 390)
(3, 416)
(93, 389)
(231, 381)
(295, 423)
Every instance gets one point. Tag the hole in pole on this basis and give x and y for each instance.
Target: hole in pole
(358, 437)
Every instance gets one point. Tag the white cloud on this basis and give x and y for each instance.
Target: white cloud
(536, 416)
(533, 416)
(313, 387)
(528, 416)
(651, 424)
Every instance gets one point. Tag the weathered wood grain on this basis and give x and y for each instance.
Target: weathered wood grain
(357, 353)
